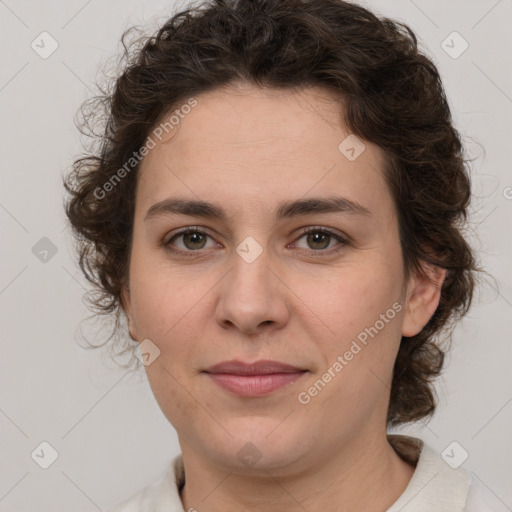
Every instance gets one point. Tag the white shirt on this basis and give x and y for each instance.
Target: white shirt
(434, 486)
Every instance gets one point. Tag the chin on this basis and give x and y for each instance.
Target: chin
(257, 445)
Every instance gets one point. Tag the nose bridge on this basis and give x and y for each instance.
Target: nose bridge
(251, 295)
(251, 270)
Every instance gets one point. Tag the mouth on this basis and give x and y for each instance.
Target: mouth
(254, 379)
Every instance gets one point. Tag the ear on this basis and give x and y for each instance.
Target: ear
(126, 304)
(422, 298)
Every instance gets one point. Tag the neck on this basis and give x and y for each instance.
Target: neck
(339, 482)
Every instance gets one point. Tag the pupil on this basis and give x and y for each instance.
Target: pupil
(319, 237)
(194, 239)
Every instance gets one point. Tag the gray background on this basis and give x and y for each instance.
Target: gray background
(109, 433)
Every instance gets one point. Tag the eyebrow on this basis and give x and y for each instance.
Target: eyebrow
(284, 210)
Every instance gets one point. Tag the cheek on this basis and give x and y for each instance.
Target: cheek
(164, 312)
(363, 312)
(355, 297)
(158, 298)
(167, 310)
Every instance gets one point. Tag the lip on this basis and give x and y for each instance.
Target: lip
(254, 379)
(263, 367)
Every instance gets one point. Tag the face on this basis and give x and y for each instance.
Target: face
(318, 285)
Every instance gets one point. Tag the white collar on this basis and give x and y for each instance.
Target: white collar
(434, 484)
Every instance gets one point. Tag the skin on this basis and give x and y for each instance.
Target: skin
(249, 149)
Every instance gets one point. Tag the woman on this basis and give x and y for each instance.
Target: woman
(276, 209)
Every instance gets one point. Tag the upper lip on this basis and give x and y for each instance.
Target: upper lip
(263, 367)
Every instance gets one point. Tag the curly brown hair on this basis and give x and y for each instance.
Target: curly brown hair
(392, 96)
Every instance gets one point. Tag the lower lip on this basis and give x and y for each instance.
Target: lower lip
(254, 385)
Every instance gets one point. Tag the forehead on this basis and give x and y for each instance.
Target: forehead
(248, 119)
(257, 144)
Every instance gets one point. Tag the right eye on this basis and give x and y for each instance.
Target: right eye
(192, 240)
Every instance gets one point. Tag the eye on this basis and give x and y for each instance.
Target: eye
(319, 240)
(192, 239)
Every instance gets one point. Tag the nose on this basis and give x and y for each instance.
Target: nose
(252, 297)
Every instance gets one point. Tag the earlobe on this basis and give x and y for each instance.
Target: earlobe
(422, 298)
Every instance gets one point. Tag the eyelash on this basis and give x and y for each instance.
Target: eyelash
(315, 229)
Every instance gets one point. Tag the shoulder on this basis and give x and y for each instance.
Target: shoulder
(435, 485)
(163, 494)
(482, 499)
(438, 485)
(141, 501)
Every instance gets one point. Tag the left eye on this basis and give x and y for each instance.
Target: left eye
(319, 240)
